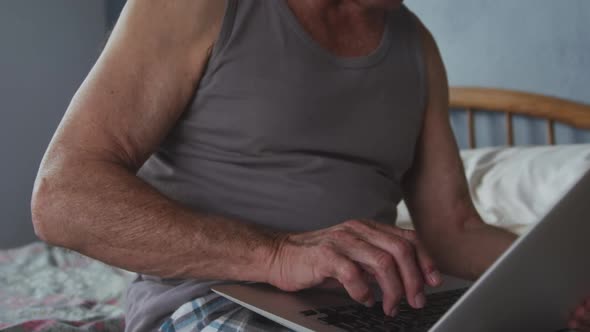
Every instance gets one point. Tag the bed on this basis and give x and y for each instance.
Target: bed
(514, 186)
(44, 288)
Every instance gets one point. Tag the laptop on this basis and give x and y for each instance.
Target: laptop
(533, 286)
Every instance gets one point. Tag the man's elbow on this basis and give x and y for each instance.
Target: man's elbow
(45, 202)
(472, 223)
(443, 232)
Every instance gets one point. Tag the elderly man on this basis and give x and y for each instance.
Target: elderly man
(267, 141)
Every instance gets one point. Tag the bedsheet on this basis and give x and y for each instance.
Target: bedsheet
(44, 288)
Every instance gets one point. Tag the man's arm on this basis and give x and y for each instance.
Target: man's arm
(86, 195)
(436, 190)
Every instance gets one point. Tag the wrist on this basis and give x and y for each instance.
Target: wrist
(275, 258)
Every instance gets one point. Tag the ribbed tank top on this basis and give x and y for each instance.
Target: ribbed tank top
(286, 135)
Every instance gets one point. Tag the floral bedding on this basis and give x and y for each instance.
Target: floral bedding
(46, 289)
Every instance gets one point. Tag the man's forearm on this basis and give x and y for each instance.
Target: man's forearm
(469, 253)
(102, 210)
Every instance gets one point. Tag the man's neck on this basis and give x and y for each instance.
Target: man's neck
(338, 9)
(341, 26)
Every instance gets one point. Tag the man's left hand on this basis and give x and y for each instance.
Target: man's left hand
(580, 318)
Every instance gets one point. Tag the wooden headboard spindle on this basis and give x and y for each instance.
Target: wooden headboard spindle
(471, 128)
(509, 129)
(550, 132)
(511, 103)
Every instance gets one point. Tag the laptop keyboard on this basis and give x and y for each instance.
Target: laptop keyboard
(357, 317)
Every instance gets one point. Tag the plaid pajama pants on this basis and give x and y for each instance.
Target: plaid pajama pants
(212, 313)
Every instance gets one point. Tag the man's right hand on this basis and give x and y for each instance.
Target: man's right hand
(353, 253)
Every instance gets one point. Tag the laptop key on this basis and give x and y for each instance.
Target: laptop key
(365, 329)
(308, 312)
(327, 311)
(341, 308)
(345, 326)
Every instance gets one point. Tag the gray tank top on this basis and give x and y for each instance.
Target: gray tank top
(284, 134)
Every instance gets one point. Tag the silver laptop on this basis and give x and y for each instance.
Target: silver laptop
(533, 286)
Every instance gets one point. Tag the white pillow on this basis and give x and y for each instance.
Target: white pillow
(514, 187)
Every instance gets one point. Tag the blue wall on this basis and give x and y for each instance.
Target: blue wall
(47, 48)
(113, 9)
(539, 46)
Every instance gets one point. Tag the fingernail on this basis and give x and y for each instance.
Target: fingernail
(394, 311)
(420, 300)
(435, 278)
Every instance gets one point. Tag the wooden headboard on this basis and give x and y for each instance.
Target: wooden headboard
(512, 103)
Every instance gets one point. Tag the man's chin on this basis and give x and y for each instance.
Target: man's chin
(395, 4)
(384, 4)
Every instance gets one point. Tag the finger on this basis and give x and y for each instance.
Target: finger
(573, 324)
(427, 266)
(331, 283)
(429, 271)
(579, 313)
(382, 266)
(405, 257)
(351, 277)
(583, 315)
(580, 319)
